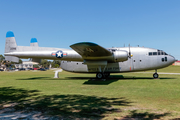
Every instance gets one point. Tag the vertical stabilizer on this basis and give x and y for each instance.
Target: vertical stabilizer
(34, 42)
(10, 46)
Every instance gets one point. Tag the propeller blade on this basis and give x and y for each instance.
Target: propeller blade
(129, 52)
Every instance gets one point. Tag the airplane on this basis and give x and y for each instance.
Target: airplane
(88, 57)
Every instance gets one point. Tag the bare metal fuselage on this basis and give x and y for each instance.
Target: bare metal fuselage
(140, 61)
(73, 62)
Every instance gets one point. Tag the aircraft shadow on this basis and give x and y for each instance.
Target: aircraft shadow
(121, 77)
(111, 79)
(94, 81)
(67, 106)
(35, 78)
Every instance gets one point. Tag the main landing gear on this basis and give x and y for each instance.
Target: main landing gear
(155, 75)
(101, 75)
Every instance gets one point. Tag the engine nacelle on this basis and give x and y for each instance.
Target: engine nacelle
(120, 55)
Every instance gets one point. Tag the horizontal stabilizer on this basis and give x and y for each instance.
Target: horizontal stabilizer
(36, 60)
(12, 59)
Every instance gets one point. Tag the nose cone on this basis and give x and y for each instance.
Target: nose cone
(171, 60)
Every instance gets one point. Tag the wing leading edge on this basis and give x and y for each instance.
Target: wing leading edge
(90, 50)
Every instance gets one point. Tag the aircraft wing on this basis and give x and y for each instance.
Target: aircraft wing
(88, 49)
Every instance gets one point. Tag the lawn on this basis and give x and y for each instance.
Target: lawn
(78, 96)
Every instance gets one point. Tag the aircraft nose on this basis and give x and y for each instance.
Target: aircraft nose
(171, 59)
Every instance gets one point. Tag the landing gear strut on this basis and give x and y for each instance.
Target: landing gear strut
(155, 75)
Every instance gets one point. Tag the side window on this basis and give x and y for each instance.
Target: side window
(150, 53)
(165, 58)
(162, 59)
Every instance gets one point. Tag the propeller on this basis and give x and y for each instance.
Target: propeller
(129, 52)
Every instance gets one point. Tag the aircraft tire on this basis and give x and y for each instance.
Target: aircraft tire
(99, 75)
(155, 75)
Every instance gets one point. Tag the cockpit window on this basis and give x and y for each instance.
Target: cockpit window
(159, 52)
(150, 53)
(154, 53)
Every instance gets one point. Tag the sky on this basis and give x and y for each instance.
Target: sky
(109, 23)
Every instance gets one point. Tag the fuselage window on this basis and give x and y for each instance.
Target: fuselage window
(159, 53)
(165, 58)
(162, 59)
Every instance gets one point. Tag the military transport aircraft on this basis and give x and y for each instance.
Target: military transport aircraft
(87, 57)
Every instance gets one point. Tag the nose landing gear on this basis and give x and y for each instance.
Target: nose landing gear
(101, 75)
(155, 75)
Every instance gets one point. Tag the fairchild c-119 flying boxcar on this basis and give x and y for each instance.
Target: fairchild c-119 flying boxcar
(87, 57)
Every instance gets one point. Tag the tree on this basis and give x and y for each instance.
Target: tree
(35, 66)
(2, 58)
(56, 63)
(20, 61)
(45, 63)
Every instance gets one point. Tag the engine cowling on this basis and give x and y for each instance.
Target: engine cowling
(120, 55)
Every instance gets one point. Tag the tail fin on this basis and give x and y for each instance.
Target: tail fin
(34, 42)
(10, 46)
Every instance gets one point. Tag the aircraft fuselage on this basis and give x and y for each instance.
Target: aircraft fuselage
(141, 59)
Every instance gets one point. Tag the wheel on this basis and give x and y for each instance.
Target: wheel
(155, 75)
(99, 75)
(106, 75)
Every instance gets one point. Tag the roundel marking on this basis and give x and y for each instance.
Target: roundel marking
(59, 54)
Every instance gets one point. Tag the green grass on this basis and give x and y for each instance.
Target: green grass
(73, 95)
